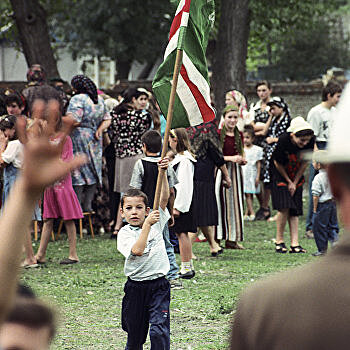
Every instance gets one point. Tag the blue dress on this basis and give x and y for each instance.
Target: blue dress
(90, 116)
(10, 176)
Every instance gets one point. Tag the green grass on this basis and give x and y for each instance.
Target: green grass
(88, 295)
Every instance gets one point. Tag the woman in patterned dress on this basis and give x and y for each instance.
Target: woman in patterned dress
(129, 122)
(92, 118)
(276, 125)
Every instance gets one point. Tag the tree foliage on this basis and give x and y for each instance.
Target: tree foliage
(125, 30)
(288, 34)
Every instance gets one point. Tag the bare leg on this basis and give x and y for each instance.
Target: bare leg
(266, 197)
(72, 239)
(185, 246)
(193, 236)
(44, 241)
(208, 233)
(293, 227)
(259, 196)
(28, 249)
(249, 200)
(282, 218)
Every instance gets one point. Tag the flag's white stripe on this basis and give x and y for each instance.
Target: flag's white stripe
(197, 78)
(180, 7)
(172, 44)
(189, 102)
(184, 19)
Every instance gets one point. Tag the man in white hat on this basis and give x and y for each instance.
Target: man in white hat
(307, 307)
(320, 118)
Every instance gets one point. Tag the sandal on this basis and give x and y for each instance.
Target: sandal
(297, 249)
(281, 248)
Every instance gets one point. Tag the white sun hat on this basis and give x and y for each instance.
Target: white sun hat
(299, 124)
(338, 146)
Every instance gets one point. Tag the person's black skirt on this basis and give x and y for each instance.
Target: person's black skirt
(282, 199)
(184, 223)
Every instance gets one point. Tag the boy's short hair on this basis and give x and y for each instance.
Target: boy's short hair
(263, 82)
(249, 129)
(13, 98)
(331, 88)
(306, 132)
(134, 192)
(32, 313)
(152, 141)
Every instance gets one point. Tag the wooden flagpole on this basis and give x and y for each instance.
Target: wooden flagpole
(161, 173)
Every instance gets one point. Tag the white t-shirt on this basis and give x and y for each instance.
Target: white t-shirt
(321, 187)
(321, 118)
(154, 262)
(13, 154)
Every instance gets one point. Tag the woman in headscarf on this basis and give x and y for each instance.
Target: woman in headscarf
(237, 99)
(92, 119)
(276, 125)
(206, 145)
(230, 200)
(130, 120)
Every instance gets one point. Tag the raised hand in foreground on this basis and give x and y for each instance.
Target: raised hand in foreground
(42, 166)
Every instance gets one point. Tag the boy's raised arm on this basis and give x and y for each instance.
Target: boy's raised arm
(165, 193)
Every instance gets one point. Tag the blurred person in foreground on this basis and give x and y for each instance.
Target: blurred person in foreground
(42, 167)
(307, 307)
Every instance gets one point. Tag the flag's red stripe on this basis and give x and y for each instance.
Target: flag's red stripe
(187, 6)
(175, 25)
(206, 111)
(177, 19)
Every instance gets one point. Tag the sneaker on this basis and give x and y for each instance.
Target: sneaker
(187, 275)
(318, 253)
(175, 284)
(251, 217)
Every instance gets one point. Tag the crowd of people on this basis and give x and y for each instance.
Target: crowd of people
(210, 176)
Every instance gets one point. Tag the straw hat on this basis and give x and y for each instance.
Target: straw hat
(338, 147)
(298, 124)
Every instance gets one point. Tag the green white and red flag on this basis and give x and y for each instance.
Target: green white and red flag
(189, 32)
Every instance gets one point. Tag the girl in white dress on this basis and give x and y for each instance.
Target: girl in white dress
(251, 171)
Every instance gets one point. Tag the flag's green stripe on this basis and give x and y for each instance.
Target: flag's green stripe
(181, 40)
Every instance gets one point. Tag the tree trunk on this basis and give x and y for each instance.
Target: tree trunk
(33, 32)
(229, 66)
(123, 68)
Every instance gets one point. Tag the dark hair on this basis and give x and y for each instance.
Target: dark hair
(306, 132)
(7, 122)
(152, 141)
(14, 98)
(133, 192)
(249, 129)
(263, 82)
(127, 95)
(332, 89)
(32, 313)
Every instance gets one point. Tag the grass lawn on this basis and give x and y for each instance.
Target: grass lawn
(88, 295)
